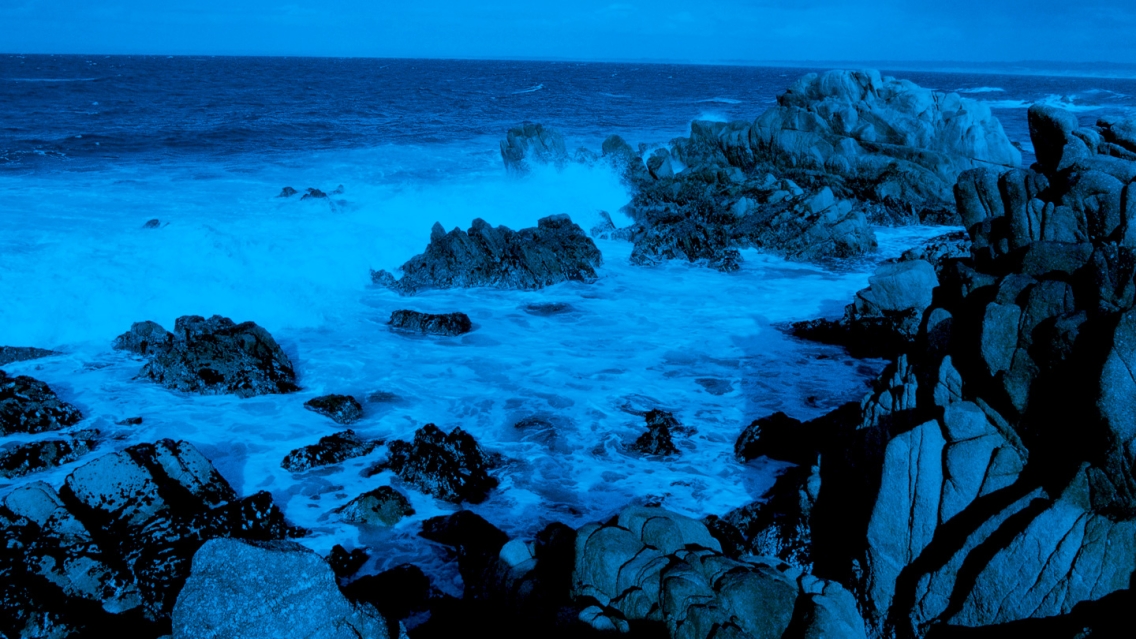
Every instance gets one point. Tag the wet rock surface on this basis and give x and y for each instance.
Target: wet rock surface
(530, 144)
(662, 428)
(266, 589)
(448, 324)
(10, 354)
(341, 409)
(111, 549)
(333, 449)
(211, 356)
(28, 405)
(451, 467)
(383, 506)
(556, 250)
(26, 458)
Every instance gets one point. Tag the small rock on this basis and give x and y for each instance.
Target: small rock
(333, 449)
(383, 506)
(428, 324)
(313, 193)
(129, 421)
(342, 409)
(661, 427)
(451, 467)
(287, 192)
(152, 224)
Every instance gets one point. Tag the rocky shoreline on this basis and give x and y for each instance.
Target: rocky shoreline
(983, 487)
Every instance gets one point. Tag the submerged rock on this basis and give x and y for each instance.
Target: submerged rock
(10, 354)
(211, 357)
(333, 449)
(428, 324)
(555, 251)
(450, 467)
(274, 589)
(152, 224)
(342, 409)
(28, 405)
(30, 457)
(383, 506)
(546, 309)
(661, 428)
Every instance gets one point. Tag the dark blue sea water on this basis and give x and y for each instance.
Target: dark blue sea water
(93, 147)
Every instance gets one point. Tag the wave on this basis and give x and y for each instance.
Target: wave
(719, 101)
(615, 95)
(50, 79)
(981, 90)
(529, 90)
(1066, 102)
(712, 116)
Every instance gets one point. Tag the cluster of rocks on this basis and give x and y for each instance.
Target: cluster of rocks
(804, 180)
(211, 356)
(556, 250)
(311, 193)
(109, 551)
(988, 479)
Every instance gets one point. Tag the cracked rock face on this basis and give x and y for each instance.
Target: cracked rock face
(333, 449)
(211, 356)
(274, 589)
(556, 250)
(428, 324)
(28, 405)
(451, 467)
(112, 548)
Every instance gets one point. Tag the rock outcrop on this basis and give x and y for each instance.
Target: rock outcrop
(556, 250)
(110, 551)
(10, 354)
(211, 356)
(662, 427)
(28, 405)
(269, 590)
(988, 478)
(333, 449)
(341, 409)
(448, 324)
(532, 143)
(451, 467)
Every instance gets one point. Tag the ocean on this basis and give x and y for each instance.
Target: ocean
(91, 147)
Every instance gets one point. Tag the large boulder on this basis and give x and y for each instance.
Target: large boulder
(28, 405)
(556, 250)
(275, 589)
(111, 549)
(211, 356)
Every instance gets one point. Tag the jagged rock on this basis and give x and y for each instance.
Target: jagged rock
(10, 354)
(287, 192)
(29, 457)
(661, 427)
(532, 143)
(333, 449)
(345, 564)
(383, 506)
(28, 405)
(556, 250)
(342, 409)
(451, 467)
(112, 548)
(428, 324)
(314, 194)
(273, 589)
(211, 357)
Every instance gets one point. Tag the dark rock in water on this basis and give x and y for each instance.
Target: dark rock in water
(338, 190)
(211, 356)
(548, 308)
(451, 467)
(345, 564)
(314, 193)
(383, 397)
(342, 409)
(530, 144)
(396, 593)
(777, 436)
(129, 421)
(270, 589)
(429, 324)
(25, 458)
(112, 549)
(333, 449)
(715, 386)
(555, 251)
(287, 192)
(661, 427)
(10, 354)
(383, 506)
(152, 224)
(28, 405)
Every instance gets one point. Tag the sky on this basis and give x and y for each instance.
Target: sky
(706, 31)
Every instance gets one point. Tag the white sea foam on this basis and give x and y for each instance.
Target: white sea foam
(981, 90)
(76, 269)
(720, 101)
